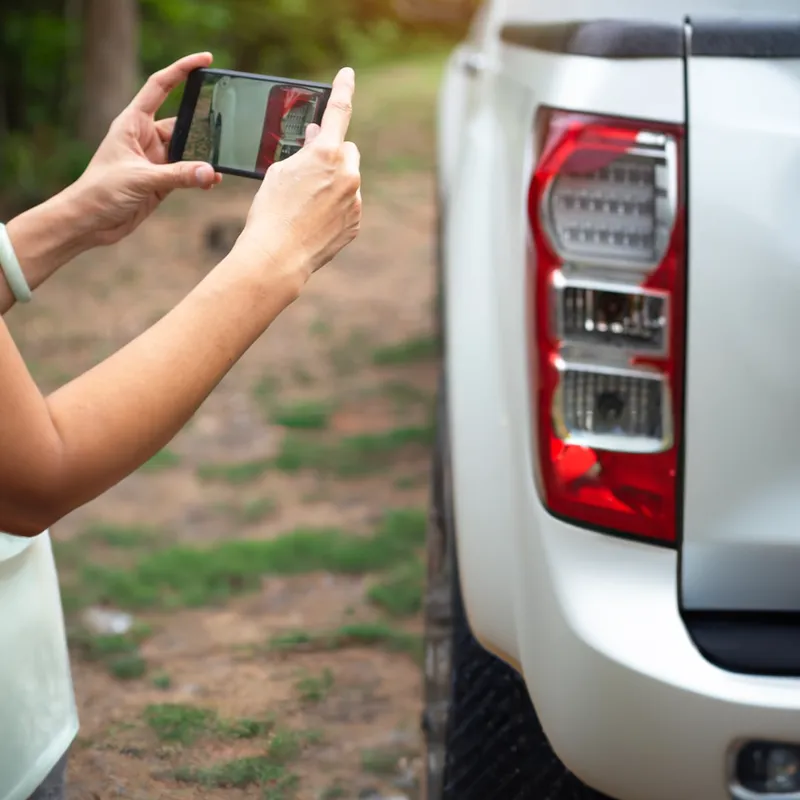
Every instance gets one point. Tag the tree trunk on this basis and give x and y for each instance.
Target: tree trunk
(110, 63)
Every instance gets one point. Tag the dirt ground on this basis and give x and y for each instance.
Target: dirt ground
(271, 556)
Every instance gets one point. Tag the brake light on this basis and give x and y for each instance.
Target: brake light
(289, 112)
(606, 292)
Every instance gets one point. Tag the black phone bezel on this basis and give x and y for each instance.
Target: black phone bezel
(191, 91)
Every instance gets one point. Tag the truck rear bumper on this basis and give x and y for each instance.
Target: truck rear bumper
(627, 701)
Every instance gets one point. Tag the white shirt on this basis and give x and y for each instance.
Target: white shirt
(38, 716)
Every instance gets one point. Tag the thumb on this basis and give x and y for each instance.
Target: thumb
(184, 175)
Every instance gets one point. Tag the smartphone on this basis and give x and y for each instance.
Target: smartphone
(241, 123)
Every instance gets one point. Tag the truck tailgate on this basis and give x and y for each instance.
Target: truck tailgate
(740, 551)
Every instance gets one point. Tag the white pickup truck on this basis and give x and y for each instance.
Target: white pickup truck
(614, 583)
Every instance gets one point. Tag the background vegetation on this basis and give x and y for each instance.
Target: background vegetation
(68, 66)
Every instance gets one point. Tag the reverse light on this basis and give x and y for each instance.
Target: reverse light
(606, 291)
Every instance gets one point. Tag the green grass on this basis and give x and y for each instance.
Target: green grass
(315, 688)
(400, 593)
(124, 537)
(182, 576)
(164, 459)
(334, 792)
(178, 723)
(162, 680)
(118, 653)
(267, 771)
(382, 762)
(306, 415)
(406, 396)
(127, 667)
(412, 351)
(357, 634)
(267, 389)
(235, 474)
(351, 456)
(258, 510)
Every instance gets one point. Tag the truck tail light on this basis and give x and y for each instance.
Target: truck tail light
(606, 292)
(289, 111)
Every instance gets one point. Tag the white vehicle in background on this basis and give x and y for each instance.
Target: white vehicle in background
(238, 109)
(614, 582)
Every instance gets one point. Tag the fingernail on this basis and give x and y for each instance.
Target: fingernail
(204, 175)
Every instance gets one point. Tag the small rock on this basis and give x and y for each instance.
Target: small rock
(107, 622)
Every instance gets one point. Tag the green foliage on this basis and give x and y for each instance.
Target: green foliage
(41, 62)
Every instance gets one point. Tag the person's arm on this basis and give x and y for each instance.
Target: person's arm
(59, 452)
(47, 246)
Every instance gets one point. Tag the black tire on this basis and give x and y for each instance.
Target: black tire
(484, 739)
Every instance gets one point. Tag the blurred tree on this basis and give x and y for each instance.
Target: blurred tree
(110, 63)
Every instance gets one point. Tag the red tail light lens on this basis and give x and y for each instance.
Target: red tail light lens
(606, 292)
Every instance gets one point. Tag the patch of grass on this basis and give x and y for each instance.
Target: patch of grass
(182, 576)
(351, 456)
(164, 459)
(119, 653)
(320, 328)
(178, 723)
(245, 728)
(334, 792)
(349, 356)
(301, 376)
(268, 771)
(406, 396)
(358, 634)
(315, 688)
(400, 593)
(127, 667)
(306, 415)
(266, 390)
(408, 482)
(235, 474)
(381, 761)
(291, 640)
(162, 680)
(258, 510)
(120, 536)
(411, 351)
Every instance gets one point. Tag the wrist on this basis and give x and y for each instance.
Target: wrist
(275, 275)
(46, 237)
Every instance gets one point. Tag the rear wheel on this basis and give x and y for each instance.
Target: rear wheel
(484, 740)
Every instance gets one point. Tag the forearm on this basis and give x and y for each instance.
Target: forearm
(45, 238)
(97, 429)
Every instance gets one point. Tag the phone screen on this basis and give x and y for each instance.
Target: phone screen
(242, 124)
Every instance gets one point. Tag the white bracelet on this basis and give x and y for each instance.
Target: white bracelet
(9, 264)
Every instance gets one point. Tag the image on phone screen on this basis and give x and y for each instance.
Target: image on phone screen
(245, 124)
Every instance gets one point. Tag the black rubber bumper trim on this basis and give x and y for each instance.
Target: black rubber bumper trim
(621, 39)
(753, 643)
(737, 38)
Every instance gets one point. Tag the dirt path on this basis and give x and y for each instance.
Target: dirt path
(271, 557)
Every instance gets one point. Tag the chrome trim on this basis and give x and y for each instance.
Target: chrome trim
(739, 792)
(657, 147)
(561, 281)
(611, 442)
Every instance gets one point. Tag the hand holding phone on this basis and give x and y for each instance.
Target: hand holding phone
(242, 123)
(308, 207)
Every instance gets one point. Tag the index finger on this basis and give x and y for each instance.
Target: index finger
(336, 119)
(153, 94)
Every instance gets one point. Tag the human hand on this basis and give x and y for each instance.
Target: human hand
(309, 206)
(128, 177)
